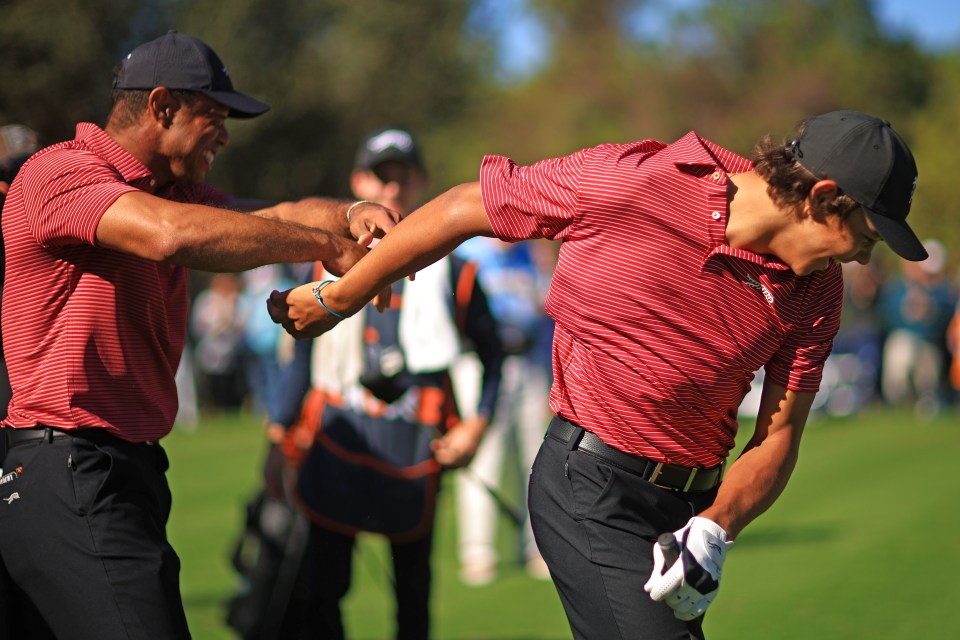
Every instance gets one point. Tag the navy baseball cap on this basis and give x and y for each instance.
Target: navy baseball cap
(388, 144)
(177, 61)
(872, 165)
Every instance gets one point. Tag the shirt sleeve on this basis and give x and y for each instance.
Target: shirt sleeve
(535, 201)
(798, 365)
(66, 192)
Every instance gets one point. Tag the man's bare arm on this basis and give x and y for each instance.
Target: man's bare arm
(214, 239)
(366, 220)
(760, 474)
(425, 236)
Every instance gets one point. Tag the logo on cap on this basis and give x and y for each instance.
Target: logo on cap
(390, 138)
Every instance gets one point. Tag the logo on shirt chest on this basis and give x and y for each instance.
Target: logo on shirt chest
(754, 284)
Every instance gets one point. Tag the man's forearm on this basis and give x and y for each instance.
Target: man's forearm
(241, 241)
(758, 477)
(211, 238)
(752, 484)
(320, 213)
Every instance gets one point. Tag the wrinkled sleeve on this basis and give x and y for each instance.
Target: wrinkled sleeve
(535, 201)
(66, 192)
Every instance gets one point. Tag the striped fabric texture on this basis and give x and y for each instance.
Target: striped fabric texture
(92, 337)
(660, 324)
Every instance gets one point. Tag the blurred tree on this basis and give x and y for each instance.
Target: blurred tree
(58, 56)
(734, 69)
(614, 70)
(761, 66)
(936, 137)
(333, 70)
(621, 70)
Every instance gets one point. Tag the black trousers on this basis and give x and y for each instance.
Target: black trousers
(83, 545)
(325, 580)
(595, 525)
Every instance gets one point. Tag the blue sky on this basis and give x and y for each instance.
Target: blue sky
(935, 24)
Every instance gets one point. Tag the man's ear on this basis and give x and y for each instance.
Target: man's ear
(822, 192)
(161, 105)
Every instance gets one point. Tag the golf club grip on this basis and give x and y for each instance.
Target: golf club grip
(668, 545)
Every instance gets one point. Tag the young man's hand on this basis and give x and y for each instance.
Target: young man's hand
(691, 583)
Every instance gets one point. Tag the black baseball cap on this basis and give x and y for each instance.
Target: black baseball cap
(872, 165)
(388, 144)
(177, 61)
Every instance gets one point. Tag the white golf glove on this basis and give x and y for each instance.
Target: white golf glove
(691, 583)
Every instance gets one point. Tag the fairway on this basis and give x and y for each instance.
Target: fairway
(863, 543)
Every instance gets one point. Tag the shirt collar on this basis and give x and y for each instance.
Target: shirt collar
(712, 164)
(131, 169)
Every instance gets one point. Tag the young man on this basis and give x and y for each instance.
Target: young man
(387, 403)
(684, 268)
(99, 233)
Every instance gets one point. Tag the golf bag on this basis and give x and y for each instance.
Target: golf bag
(267, 557)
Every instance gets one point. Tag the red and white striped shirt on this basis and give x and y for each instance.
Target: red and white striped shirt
(92, 337)
(660, 324)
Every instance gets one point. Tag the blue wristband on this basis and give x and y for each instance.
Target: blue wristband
(316, 294)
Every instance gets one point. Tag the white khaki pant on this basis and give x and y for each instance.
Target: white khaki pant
(519, 422)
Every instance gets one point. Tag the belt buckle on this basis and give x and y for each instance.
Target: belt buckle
(657, 470)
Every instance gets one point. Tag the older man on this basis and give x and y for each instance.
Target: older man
(99, 232)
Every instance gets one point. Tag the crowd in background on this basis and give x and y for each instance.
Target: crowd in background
(899, 339)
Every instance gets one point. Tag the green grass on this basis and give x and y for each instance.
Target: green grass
(863, 544)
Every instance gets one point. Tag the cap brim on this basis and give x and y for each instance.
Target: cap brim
(241, 106)
(898, 236)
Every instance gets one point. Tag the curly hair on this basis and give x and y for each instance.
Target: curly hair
(789, 182)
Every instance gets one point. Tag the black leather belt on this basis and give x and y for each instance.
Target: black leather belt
(23, 436)
(662, 474)
(16, 437)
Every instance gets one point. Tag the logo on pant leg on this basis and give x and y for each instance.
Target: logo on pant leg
(13, 496)
(10, 477)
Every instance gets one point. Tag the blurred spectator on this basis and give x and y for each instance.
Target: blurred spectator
(17, 140)
(383, 414)
(851, 376)
(188, 413)
(261, 336)
(17, 143)
(916, 309)
(218, 331)
(516, 280)
(953, 345)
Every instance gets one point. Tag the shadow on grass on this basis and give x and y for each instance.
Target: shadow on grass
(814, 533)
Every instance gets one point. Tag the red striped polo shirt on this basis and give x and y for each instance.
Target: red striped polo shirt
(660, 324)
(92, 337)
